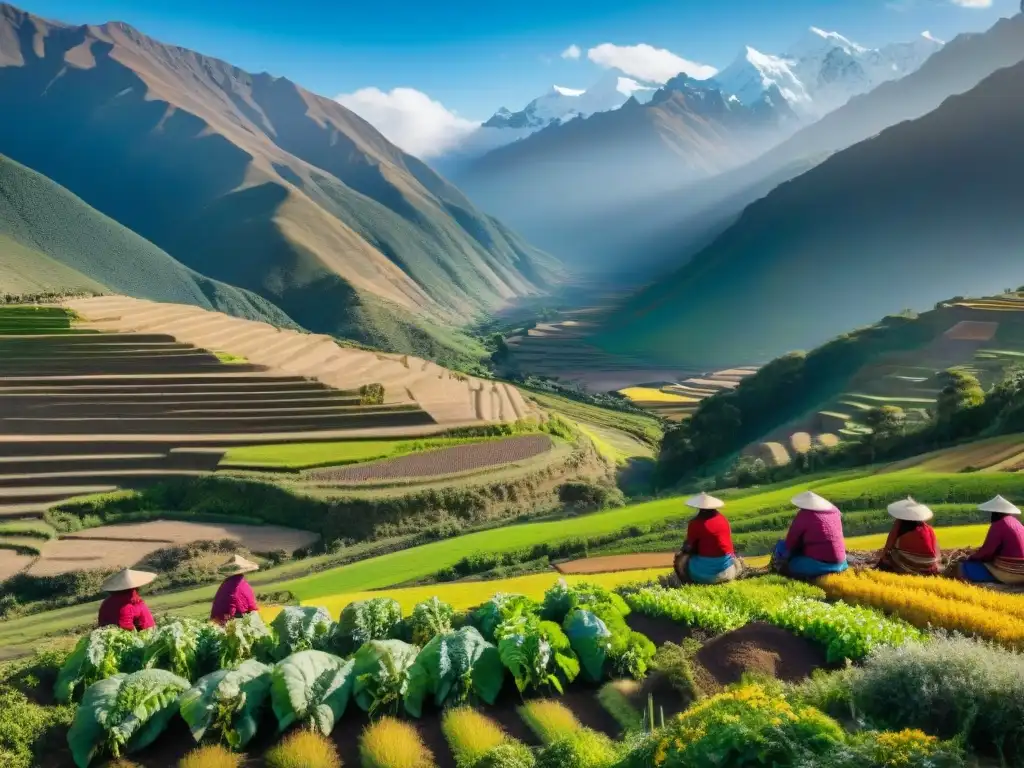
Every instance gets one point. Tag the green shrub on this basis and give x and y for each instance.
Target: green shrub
(303, 749)
(371, 394)
(615, 698)
(903, 749)
(509, 755)
(675, 663)
(23, 726)
(583, 749)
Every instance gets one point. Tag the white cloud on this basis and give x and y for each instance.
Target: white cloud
(646, 62)
(973, 3)
(410, 119)
(572, 52)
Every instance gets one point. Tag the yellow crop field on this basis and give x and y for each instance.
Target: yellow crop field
(466, 594)
(1009, 604)
(924, 608)
(651, 395)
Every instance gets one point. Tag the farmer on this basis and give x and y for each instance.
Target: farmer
(707, 556)
(1001, 557)
(912, 546)
(123, 607)
(234, 597)
(814, 545)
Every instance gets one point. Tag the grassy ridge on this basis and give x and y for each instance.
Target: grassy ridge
(310, 455)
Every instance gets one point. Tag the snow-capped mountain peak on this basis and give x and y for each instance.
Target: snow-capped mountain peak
(561, 91)
(822, 70)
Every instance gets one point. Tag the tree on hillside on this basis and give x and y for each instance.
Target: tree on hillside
(960, 398)
(886, 423)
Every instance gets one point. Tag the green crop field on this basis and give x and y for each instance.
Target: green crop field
(645, 428)
(311, 455)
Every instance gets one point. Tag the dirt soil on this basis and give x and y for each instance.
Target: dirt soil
(659, 631)
(618, 563)
(762, 649)
(445, 461)
(12, 562)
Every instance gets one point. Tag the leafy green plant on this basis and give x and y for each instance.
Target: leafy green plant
(455, 668)
(244, 638)
(903, 749)
(23, 724)
(471, 735)
(101, 654)
(124, 713)
(509, 755)
(391, 743)
(488, 616)
(382, 675)
(366, 620)
(301, 628)
(303, 749)
(228, 701)
(186, 647)
(561, 599)
(537, 653)
(583, 748)
(429, 619)
(590, 638)
(311, 687)
(615, 698)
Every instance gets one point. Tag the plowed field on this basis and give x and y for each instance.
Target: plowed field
(447, 461)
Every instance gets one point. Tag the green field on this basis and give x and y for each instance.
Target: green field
(297, 456)
(644, 428)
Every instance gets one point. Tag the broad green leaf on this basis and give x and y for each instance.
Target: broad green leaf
(102, 653)
(302, 628)
(311, 687)
(198, 705)
(590, 638)
(366, 620)
(381, 674)
(455, 668)
(87, 736)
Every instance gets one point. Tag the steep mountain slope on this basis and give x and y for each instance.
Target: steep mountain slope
(252, 180)
(52, 241)
(548, 184)
(928, 208)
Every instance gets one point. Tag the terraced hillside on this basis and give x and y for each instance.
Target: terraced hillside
(982, 336)
(677, 400)
(87, 411)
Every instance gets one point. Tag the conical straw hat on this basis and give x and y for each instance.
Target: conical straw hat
(127, 579)
(999, 504)
(908, 509)
(704, 501)
(811, 501)
(238, 564)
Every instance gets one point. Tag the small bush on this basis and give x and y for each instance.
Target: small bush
(391, 743)
(583, 749)
(303, 749)
(509, 755)
(211, 756)
(23, 724)
(615, 698)
(903, 749)
(675, 663)
(549, 720)
(371, 394)
(470, 735)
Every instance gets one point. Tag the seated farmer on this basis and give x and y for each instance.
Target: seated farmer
(814, 545)
(707, 556)
(234, 597)
(1000, 559)
(123, 607)
(912, 546)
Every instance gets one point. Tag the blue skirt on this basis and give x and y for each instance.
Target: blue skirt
(808, 567)
(977, 572)
(706, 570)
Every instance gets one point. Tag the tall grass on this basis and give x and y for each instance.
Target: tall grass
(391, 743)
(549, 720)
(471, 735)
(303, 749)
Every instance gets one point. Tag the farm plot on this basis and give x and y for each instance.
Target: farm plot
(444, 461)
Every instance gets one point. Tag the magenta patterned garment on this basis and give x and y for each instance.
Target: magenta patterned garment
(818, 535)
(1005, 538)
(234, 598)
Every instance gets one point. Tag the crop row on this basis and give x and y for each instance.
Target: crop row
(306, 667)
(846, 631)
(935, 603)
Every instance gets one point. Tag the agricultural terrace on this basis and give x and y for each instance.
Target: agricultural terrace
(984, 337)
(677, 400)
(580, 674)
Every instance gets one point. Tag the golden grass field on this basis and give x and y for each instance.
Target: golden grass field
(652, 395)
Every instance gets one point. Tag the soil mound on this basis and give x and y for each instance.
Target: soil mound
(760, 649)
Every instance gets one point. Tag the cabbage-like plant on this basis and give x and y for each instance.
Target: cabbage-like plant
(537, 653)
(312, 688)
(302, 628)
(591, 639)
(124, 713)
(382, 675)
(453, 669)
(102, 653)
(246, 637)
(561, 599)
(429, 619)
(228, 701)
(379, 618)
(488, 616)
(186, 647)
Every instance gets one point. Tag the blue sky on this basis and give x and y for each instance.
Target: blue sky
(472, 56)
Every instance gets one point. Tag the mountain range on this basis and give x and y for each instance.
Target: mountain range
(253, 181)
(924, 209)
(566, 182)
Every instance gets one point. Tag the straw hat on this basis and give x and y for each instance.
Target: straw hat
(999, 504)
(238, 564)
(127, 579)
(910, 510)
(811, 501)
(704, 501)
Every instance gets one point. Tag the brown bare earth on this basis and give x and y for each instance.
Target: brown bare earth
(446, 461)
(11, 563)
(761, 649)
(116, 546)
(618, 563)
(973, 330)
